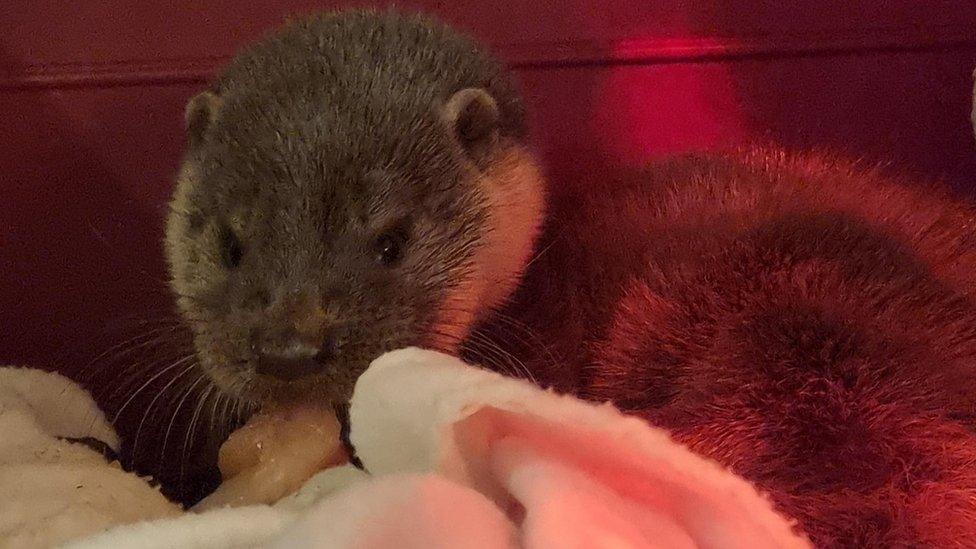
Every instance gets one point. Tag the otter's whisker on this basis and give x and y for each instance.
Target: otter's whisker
(159, 374)
(213, 411)
(529, 333)
(518, 367)
(176, 413)
(139, 342)
(190, 433)
(129, 341)
(152, 403)
(135, 372)
(224, 417)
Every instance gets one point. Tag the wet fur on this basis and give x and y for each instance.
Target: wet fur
(806, 322)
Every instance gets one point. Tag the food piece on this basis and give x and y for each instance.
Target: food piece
(274, 454)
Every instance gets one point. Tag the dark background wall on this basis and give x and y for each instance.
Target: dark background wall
(92, 93)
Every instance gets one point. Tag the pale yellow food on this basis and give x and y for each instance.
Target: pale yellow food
(274, 454)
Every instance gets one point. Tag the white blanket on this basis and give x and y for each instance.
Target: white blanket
(458, 457)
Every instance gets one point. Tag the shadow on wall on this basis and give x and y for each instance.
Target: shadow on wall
(908, 109)
(592, 119)
(76, 227)
(903, 105)
(895, 98)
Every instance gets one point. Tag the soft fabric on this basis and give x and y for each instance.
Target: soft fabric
(460, 457)
(567, 473)
(52, 490)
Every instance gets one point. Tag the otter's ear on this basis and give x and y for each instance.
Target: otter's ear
(200, 114)
(472, 116)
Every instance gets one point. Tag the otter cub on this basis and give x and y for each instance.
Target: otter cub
(360, 182)
(354, 184)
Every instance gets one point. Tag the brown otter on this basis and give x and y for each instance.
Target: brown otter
(354, 184)
(360, 181)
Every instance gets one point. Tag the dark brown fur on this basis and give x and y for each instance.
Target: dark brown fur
(807, 323)
(332, 136)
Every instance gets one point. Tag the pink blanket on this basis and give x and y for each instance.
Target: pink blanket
(466, 458)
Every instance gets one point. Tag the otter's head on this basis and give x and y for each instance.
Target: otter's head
(354, 184)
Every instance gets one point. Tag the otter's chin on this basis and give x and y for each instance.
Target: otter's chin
(241, 383)
(317, 390)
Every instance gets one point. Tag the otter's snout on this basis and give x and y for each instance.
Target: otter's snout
(290, 354)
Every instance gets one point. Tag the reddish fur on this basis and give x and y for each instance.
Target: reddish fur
(806, 323)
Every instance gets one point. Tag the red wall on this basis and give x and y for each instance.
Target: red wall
(91, 99)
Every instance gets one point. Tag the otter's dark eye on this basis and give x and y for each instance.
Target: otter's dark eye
(231, 249)
(389, 248)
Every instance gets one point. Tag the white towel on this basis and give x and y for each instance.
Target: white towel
(52, 490)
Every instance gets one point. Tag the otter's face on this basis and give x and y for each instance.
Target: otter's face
(300, 252)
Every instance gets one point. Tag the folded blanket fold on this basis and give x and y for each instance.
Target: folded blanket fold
(562, 469)
(52, 489)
